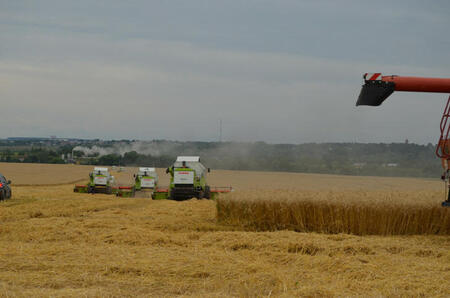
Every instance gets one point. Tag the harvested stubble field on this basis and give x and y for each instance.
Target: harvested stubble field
(57, 243)
(24, 174)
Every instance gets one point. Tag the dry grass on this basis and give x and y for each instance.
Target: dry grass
(352, 212)
(57, 243)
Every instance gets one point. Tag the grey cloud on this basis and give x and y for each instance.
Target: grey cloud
(87, 81)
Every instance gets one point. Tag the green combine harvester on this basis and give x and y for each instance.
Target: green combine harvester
(146, 179)
(188, 179)
(145, 183)
(100, 181)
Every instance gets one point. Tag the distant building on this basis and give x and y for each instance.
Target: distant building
(390, 165)
(359, 165)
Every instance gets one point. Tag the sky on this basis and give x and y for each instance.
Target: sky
(285, 71)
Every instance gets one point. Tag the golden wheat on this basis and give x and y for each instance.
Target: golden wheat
(359, 213)
(57, 243)
(250, 180)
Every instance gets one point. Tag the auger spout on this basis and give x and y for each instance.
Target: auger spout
(377, 87)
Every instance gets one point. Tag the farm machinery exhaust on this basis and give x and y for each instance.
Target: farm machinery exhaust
(377, 88)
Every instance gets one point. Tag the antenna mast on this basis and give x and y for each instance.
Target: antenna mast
(220, 130)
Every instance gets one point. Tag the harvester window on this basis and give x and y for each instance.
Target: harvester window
(196, 166)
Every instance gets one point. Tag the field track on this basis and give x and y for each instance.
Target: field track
(54, 242)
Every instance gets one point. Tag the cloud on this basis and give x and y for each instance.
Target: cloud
(91, 84)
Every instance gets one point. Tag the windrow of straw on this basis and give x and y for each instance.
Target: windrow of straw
(359, 213)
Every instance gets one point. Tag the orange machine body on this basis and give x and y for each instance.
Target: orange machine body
(377, 88)
(419, 84)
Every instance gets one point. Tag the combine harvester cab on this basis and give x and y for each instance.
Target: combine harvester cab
(146, 179)
(145, 183)
(188, 179)
(100, 181)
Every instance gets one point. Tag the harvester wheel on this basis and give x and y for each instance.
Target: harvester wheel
(108, 190)
(2, 195)
(207, 192)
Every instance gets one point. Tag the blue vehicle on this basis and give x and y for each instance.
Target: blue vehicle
(5, 189)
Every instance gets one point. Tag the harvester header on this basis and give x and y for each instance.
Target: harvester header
(377, 87)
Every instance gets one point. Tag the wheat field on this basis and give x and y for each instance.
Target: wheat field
(57, 243)
(351, 212)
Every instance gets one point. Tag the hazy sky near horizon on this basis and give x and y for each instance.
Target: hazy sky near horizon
(285, 71)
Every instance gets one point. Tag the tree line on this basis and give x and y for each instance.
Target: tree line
(395, 159)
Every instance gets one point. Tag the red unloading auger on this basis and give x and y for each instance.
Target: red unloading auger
(377, 88)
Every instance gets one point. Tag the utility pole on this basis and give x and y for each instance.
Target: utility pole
(220, 130)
